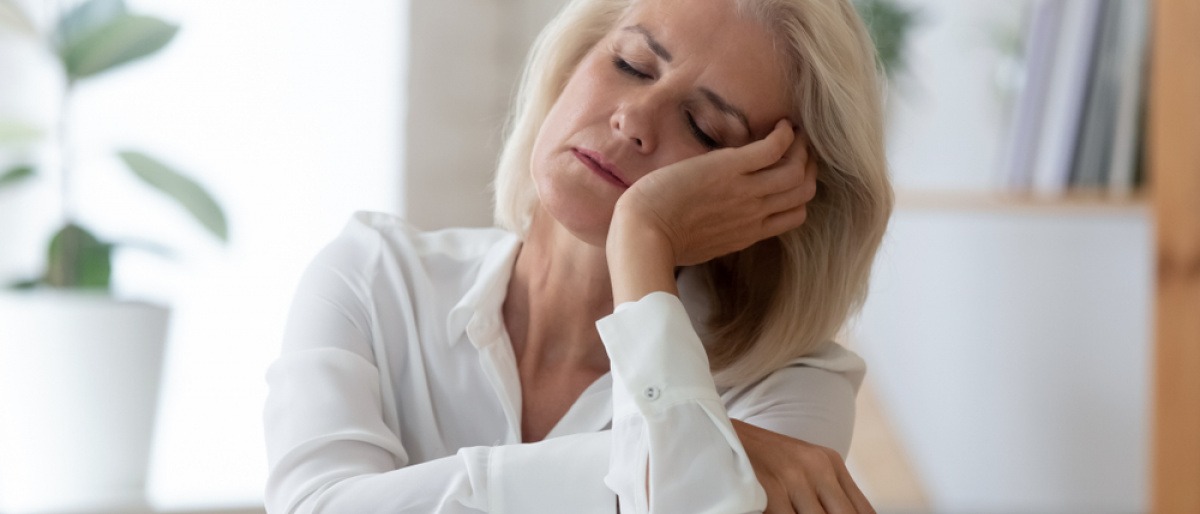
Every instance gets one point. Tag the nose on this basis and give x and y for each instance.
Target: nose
(633, 121)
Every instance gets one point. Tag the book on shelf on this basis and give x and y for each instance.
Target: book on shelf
(1089, 165)
(1132, 70)
(1039, 68)
(1060, 122)
(1078, 120)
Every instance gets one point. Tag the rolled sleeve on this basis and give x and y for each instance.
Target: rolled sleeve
(673, 446)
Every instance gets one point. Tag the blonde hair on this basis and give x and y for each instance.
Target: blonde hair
(783, 297)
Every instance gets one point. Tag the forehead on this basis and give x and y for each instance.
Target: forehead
(708, 40)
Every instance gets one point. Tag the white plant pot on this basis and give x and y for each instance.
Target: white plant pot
(79, 383)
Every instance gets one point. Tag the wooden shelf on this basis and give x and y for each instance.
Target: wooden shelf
(1074, 202)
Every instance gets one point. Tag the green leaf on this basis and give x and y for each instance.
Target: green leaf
(188, 193)
(889, 23)
(87, 17)
(16, 175)
(11, 15)
(78, 260)
(13, 131)
(124, 39)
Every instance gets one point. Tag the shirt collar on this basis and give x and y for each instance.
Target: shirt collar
(486, 295)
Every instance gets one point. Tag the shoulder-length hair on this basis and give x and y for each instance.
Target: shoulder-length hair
(783, 297)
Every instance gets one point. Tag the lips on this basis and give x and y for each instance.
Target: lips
(598, 164)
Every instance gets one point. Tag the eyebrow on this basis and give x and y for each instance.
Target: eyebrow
(655, 47)
(726, 107)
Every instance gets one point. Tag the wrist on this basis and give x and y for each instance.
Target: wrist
(641, 258)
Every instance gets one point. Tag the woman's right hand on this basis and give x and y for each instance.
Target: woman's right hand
(725, 200)
(799, 477)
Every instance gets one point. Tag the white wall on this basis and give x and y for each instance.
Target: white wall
(1011, 350)
(290, 113)
(466, 60)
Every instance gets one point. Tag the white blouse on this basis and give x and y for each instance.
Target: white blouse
(397, 392)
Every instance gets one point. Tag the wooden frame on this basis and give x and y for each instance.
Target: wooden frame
(1173, 154)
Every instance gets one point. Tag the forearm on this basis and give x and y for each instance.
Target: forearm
(640, 259)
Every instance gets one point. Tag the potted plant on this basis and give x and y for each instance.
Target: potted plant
(80, 368)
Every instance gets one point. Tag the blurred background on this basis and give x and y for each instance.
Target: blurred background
(1008, 330)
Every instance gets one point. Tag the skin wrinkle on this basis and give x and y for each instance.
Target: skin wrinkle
(726, 107)
(654, 45)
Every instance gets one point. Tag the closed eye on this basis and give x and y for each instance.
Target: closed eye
(628, 69)
(704, 139)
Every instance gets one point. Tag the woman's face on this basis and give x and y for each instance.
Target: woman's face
(673, 79)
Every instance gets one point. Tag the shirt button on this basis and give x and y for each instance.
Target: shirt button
(651, 393)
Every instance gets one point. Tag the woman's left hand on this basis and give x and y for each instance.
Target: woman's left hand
(799, 477)
(724, 200)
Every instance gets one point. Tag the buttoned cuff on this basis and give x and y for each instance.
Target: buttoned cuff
(657, 359)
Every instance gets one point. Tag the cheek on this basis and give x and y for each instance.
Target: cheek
(584, 96)
(556, 128)
(549, 137)
(547, 155)
(576, 110)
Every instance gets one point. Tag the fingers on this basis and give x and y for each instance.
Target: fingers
(781, 222)
(840, 493)
(770, 149)
(759, 154)
(786, 190)
(819, 488)
(834, 498)
(825, 490)
(799, 477)
(805, 501)
(798, 150)
(729, 194)
(787, 200)
(796, 167)
(788, 209)
(861, 505)
(778, 499)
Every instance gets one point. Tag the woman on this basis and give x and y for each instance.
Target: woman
(653, 166)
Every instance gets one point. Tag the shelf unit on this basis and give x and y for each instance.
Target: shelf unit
(1173, 199)
(1174, 165)
(1081, 202)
